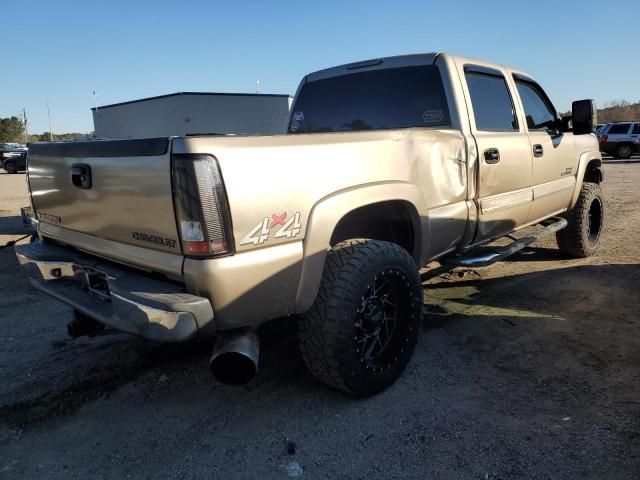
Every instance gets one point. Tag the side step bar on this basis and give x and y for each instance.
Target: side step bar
(489, 255)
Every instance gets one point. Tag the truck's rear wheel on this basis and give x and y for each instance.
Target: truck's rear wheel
(363, 327)
(581, 237)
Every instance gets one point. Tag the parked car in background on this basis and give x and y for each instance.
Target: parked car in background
(10, 149)
(13, 157)
(620, 139)
(16, 163)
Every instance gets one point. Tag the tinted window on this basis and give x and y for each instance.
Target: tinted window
(636, 129)
(537, 111)
(492, 106)
(376, 99)
(622, 128)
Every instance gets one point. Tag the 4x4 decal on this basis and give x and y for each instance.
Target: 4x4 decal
(262, 231)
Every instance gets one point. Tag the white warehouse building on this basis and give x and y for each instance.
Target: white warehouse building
(193, 113)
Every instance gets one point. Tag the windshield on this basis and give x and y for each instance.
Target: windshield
(378, 99)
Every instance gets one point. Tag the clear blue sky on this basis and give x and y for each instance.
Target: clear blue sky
(63, 50)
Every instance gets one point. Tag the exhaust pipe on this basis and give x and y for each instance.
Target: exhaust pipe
(234, 360)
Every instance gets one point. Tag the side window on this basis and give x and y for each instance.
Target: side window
(636, 129)
(619, 128)
(492, 105)
(539, 114)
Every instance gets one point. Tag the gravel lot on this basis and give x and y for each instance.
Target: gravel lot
(526, 369)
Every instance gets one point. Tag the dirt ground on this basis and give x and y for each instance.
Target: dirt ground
(525, 369)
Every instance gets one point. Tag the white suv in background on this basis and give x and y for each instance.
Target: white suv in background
(620, 139)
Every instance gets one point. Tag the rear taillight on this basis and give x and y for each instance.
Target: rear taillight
(603, 138)
(202, 210)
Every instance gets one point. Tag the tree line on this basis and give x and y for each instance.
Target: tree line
(619, 111)
(12, 130)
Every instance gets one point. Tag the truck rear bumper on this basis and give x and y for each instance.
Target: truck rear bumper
(114, 295)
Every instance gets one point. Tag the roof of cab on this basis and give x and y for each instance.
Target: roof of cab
(403, 61)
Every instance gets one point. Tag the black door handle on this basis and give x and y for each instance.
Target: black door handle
(538, 151)
(81, 175)
(491, 155)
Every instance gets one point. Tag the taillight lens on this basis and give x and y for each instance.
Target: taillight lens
(201, 205)
(604, 138)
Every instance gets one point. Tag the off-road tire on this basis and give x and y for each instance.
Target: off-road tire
(624, 151)
(581, 237)
(327, 333)
(10, 166)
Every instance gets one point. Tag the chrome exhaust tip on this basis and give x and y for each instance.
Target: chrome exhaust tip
(234, 360)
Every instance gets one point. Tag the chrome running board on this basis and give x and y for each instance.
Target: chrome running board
(490, 255)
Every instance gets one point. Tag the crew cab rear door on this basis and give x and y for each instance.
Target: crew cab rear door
(554, 155)
(504, 151)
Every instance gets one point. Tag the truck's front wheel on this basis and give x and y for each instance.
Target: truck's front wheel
(581, 237)
(363, 327)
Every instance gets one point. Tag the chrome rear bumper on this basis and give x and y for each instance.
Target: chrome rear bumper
(114, 295)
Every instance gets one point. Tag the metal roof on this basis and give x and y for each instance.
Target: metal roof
(191, 93)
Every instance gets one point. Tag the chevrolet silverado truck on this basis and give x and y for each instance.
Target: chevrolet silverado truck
(386, 165)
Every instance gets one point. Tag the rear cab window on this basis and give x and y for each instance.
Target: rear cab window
(490, 99)
(387, 98)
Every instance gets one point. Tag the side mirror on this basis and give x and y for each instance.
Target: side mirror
(562, 124)
(584, 116)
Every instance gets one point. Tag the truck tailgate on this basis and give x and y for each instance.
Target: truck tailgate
(116, 190)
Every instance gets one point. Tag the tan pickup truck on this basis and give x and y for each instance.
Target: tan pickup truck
(387, 165)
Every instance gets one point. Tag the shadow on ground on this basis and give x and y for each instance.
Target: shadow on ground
(569, 336)
(546, 307)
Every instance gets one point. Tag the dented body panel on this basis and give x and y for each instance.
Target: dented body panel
(272, 176)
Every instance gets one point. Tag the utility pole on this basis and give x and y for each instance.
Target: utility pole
(49, 117)
(24, 119)
(257, 86)
(95, 114)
